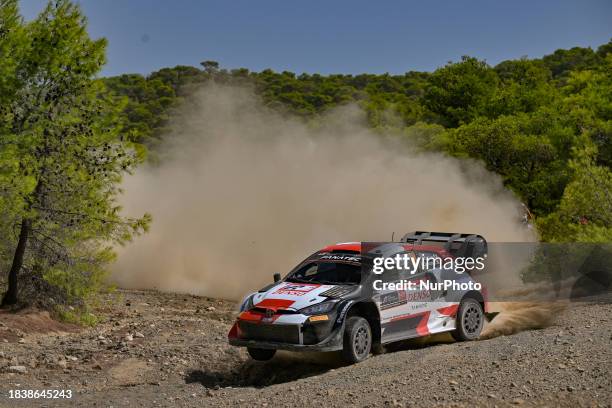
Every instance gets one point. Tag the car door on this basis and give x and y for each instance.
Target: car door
(402, 310)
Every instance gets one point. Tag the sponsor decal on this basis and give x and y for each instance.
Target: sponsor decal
(418, 295)
(336, 257)
(296, 289)
(404, 291)
(343, 312)
(393, 299)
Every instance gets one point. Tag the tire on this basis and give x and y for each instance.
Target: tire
(470, 320)
(357, 341)
(261, 354)
(378, 349)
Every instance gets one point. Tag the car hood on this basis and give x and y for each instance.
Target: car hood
(295, 296)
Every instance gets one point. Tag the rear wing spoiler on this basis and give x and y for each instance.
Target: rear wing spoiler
(457, 244)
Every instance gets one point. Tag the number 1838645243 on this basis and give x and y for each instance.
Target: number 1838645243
(39, 394)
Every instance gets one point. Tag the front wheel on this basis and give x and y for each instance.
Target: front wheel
(470, 320)
(261, 354)
(357, 341)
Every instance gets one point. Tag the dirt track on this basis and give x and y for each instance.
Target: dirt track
(170, 350)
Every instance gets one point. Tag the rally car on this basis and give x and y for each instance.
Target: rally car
(334, 300)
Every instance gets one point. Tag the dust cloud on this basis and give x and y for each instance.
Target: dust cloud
(515, 317)
(243, 192)
(533, 306)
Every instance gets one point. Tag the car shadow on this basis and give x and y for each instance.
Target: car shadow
(420, 342)
(287, 366)
(284, 367)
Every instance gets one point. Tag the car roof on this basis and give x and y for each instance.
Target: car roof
(343, 246)
(356, 247)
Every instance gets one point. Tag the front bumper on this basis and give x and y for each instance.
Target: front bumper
(332, 342)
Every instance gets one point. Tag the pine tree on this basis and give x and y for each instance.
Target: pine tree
(62, 157)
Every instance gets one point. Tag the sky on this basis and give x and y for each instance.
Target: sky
(335, 36)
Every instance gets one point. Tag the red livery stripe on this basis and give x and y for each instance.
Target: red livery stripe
(233, 333)
(275, 304)
(449, 310)
(347, 246)
(422, 328)
(485, 296)
(250, 316)
(402, 317)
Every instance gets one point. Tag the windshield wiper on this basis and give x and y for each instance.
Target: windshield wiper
(298, 280)
(324, 282)
(320, 282)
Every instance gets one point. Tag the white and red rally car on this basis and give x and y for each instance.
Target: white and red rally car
(334, 300)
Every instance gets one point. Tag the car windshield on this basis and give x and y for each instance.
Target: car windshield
(333, 273)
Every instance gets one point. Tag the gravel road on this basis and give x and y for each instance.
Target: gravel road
(156, 349)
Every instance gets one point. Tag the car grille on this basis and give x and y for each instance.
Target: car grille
(338, 291)
(282, 333)
(263, 310)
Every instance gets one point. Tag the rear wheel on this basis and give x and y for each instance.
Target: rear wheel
(470, 320)
(261, 354)
(357, 339)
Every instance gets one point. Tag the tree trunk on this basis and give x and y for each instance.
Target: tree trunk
(10, 297)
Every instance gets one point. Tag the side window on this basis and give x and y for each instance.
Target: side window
(429, 261)
(404, 271)
(408, 270)
(390, 275)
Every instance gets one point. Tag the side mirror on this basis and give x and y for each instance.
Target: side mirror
(277, 277)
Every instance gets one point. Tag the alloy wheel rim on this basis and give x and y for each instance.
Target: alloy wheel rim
(472, 320)
(361, 341)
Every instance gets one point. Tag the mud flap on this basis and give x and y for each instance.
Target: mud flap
(490, 316)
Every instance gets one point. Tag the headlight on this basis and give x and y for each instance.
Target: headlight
(247, 303)
(318, 308)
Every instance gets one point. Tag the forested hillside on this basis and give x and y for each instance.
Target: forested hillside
(68, 137)
(543, 124)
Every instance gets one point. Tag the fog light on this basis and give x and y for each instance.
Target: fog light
(319, 318)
